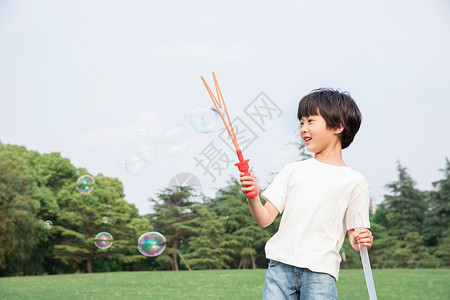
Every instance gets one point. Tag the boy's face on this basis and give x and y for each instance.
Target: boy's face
(316, 136)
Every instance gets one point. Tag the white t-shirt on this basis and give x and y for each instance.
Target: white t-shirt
(317, 202)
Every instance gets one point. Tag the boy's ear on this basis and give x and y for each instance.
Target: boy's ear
(338, 130)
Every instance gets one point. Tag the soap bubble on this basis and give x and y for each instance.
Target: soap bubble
(134, 165)
(194, 116)
(145, 149)
(105, 219)
(212, 120)
(174, 140)
(204, 119)
(85, 184)
(48, 224)
(103, 240)
(151, 244)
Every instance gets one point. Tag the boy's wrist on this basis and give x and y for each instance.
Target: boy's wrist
(253, 199)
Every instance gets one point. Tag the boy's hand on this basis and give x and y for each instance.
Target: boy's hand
(248, 183)
(364, 238)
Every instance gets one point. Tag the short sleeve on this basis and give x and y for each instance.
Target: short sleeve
(358, 206)
(276, 192)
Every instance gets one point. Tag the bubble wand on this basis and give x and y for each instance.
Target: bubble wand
(358, 225)
(219, 103)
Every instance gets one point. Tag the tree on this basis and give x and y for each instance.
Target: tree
(240, 225)
(52, 173)
(380, 216)
(405, 206)
(438, 215)
(443, 248)
(210, 249)
(173, 218)
(18, 208)
(412, 253)
(81, 218)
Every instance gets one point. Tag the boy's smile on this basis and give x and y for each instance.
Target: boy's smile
(306, 140)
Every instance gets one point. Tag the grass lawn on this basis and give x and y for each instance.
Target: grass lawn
(216, 284)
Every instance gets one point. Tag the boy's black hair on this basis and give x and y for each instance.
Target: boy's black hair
(336, 107)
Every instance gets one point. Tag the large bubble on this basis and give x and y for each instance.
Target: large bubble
(204, 119)
(151, 244)
(145, 149)
(85, 184)
(135, 165)
(212, 120)
(174, 140)
(103, 240)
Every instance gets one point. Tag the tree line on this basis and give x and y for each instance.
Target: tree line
(411, 227)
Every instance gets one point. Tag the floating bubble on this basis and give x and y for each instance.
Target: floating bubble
(105, 220)
(103, 240)
(48, 224)
(145, 149)
(204, 119)
(85, 184)
(194, 116)
(174, 140)
(212, 120)
(151, 244)
(134, 165)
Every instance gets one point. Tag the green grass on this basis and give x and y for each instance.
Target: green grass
(216, 284)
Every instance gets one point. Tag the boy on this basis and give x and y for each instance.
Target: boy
(318, 198)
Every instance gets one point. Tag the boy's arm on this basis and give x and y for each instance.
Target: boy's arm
(263, 215)
(364, 238)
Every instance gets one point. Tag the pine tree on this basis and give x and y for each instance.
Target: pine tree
(412, 253)
(405, 206)
(211, 248)
(240, 225)
(443, 248)
(437, 223)
(173, 218)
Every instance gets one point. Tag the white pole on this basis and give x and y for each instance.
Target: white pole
(368, 272)
(358, 225)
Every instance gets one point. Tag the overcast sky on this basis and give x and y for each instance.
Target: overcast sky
(88, 79)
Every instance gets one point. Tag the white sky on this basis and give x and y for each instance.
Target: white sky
(80, 77)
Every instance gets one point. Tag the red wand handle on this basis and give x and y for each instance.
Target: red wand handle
(243, 167)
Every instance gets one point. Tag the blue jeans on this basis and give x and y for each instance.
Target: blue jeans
(288, 282)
